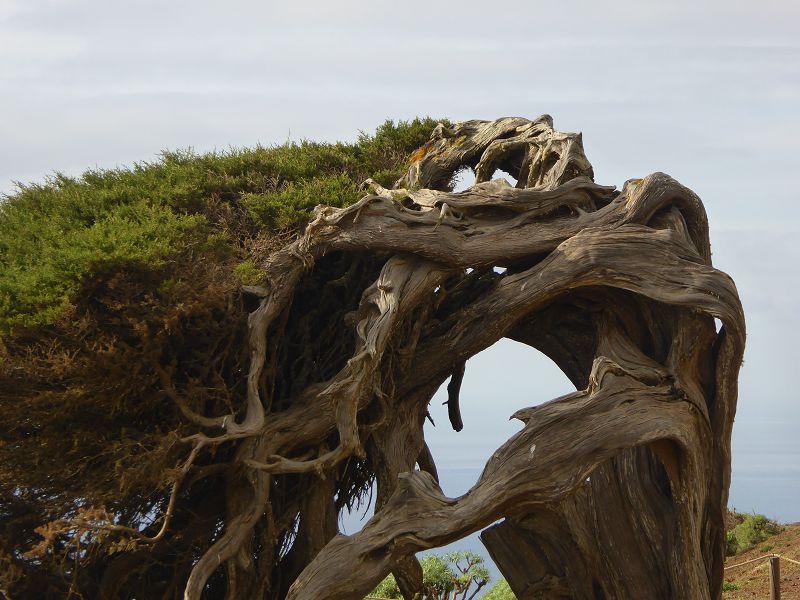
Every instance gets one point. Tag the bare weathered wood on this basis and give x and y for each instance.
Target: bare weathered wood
(534, 569)
(775, 578)
(614, 491)
(453, 392)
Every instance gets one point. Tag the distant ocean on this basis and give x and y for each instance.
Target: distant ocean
(766, 468)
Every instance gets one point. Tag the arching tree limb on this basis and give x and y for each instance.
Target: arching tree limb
(616, 287)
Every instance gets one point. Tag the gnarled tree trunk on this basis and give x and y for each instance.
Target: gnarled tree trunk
(615, 491)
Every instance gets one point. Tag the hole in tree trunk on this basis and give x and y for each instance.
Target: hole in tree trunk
(463, 179)
(497, 382)
(500, 174)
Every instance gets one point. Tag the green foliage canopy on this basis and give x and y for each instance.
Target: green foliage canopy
(56, 236)
(456, 573)
(752, 530)
(500, 591)
(106, 277)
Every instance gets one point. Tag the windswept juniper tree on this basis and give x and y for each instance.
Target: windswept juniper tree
(168, 431)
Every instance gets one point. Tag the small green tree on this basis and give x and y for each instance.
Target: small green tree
(437, 577)
(732, 544)
(753, 530)
(469, 570)
(500, 591)
(387, 589)
(456, 575)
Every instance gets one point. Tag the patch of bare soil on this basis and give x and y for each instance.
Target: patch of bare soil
(752, 580)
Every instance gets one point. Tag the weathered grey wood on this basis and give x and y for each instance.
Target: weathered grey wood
(614, 491)
(775, 578)
(534, 570)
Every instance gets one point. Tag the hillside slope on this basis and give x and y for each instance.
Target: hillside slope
(752, 580)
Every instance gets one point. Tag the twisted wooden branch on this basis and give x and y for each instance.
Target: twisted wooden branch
(616, 287)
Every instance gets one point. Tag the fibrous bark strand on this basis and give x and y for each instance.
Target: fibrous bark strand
(614, 491)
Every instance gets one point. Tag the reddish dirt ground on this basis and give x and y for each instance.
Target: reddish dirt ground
(752, 580)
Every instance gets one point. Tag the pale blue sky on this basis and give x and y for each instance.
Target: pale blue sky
(706, 91)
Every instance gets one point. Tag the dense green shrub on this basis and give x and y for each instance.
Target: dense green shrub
(731, 544)
(108, 276)
(500, 591)
(456, 573)
(387, 589)
(56, 236)
(753, 530)
(729, 586)
(294, 201)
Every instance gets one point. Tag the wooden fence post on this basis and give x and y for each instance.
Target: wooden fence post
(774, 578)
